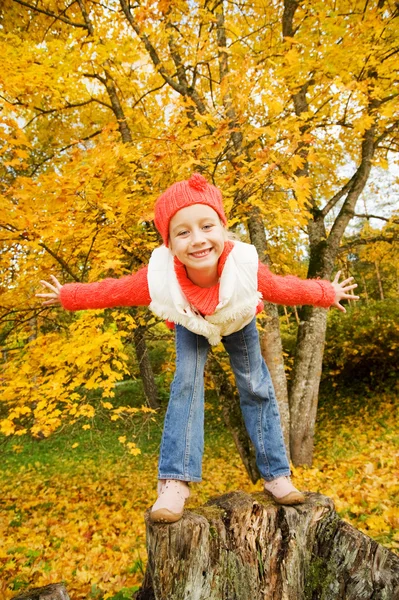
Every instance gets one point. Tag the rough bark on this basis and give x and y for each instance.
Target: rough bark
(55, 591)
(304, 389)
(244, 547)
(146, 372)
(311, 332)
(380, 288)
(323, 249)
(272, 348)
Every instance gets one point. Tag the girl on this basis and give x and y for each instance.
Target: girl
(209, 289)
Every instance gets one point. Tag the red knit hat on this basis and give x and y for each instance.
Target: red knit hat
(195, 190)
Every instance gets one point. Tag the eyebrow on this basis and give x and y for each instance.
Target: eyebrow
(185, 225)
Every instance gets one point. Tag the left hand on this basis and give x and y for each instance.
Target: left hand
(55, 289)
(341, 291)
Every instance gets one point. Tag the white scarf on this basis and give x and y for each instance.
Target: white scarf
(238, 293)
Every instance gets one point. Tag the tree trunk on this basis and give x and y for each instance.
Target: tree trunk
(146, 372)
(245, 547)
(377, 270)
(305, 383)
(272, 348)
(366, 296)
(55, 591)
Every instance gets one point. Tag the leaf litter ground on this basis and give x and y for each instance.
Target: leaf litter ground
(72, 509)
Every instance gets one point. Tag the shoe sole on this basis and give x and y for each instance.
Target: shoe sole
(163, 515)
(290, 499)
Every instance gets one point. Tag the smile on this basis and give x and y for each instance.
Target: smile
(201, 253)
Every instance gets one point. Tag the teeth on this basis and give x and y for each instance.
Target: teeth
(199, 254)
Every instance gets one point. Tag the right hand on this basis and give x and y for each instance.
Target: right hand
(54, 296)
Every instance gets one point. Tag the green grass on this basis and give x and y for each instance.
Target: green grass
(101, 440)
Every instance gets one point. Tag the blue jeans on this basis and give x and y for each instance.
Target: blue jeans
(183, 435)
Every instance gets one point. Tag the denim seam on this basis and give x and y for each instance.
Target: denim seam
(190, 417)
(179, 477)
(260, 405)
(164, 427)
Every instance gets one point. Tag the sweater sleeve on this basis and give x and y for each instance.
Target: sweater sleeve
(131, 290)
(291, 290)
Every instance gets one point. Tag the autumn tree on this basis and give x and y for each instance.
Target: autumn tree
(105, 105)
(371, 255)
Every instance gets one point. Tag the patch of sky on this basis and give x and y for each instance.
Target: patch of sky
(380, 197)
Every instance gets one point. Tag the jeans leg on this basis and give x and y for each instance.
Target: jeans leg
(182, 443)
(258, 401)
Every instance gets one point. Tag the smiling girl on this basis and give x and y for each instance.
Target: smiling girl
(210, 288)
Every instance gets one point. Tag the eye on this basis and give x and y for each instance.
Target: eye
(207, 227)
(182, 233)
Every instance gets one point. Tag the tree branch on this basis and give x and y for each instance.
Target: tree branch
(360, 179)
(147, 93)
(290, 7)
(60, 260)
(376, 217)
(88, 137)
(365, 241)
(50, 111)
(88, 254)
(384, 134)
(337, 197)
(51, 14)
(150, 49)
(95, 76)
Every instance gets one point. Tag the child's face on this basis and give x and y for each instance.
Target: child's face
(197, 237)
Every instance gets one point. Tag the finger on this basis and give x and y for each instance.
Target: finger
(346, 281)
(44, 295)
(340, 307)
(336, 278)
(349, 287)
(49, 286)
(57, 283)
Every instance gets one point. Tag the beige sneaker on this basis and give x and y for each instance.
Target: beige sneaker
(169, 506)
(283, 492)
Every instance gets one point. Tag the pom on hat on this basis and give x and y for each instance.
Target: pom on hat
(196, 190)
(197, 182)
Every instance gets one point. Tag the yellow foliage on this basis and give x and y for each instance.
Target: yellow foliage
(39, 383)
(94, 127)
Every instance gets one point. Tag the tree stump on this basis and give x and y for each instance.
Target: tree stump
(55, 591)
(245, 547)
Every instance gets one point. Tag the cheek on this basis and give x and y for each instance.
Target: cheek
(224, 235)
(171, 246)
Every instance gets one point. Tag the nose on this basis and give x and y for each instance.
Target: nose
(197, 237)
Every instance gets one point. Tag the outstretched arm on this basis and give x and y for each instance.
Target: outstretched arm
(131, 290)
(291, 290)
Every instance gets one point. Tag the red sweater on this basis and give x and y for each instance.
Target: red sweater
(132, 290)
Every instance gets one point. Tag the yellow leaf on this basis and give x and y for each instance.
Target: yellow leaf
(377, 523)
(7, 427)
